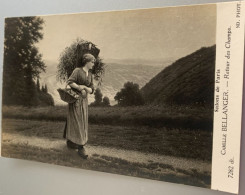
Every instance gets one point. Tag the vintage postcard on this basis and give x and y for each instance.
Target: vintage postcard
(151, 93)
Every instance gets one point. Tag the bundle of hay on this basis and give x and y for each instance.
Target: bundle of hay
(73, 54)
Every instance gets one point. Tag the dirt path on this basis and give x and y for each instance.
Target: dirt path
(130, 156)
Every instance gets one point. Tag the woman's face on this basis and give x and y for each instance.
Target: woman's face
(90, 64)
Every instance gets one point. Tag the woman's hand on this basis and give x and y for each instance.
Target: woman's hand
(84, 93)
(81, 87)
(88, 89)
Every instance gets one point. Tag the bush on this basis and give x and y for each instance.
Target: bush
(130, 95)
(98, 99)
(106, 101)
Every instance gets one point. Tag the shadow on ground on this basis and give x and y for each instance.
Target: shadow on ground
(66, 157)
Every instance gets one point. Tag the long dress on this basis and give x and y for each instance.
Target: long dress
(76, 128)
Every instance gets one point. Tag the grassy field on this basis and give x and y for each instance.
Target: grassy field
(191, 118)
(176, 132)
(167, 141)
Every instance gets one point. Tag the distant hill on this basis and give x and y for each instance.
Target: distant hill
(189, 80)
(148, 62)
(115, 76)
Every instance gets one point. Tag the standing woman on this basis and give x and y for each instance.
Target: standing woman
(81, 81)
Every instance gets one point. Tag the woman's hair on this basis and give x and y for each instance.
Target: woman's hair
(84, 59)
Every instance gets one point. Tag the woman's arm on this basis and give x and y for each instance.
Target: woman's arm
(88, 89)
(73, 80)
(91, 86)
(81, 87)
(75, 86)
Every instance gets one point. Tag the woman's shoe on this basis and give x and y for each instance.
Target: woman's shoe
(82, 153)
(71, 145)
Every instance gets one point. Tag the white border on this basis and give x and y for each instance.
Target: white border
(28, 176)
(227, 120)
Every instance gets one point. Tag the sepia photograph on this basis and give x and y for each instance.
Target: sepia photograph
(124, 92)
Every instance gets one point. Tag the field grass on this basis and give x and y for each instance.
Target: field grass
(182, 132)
(156, 171)
(153, 116)
(176, 142)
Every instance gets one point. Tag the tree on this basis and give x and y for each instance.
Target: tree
(38, 85)
(45, 99)
(129, 95)
(68, 60)
(22, 60)
(106, 101)
(98, 96)
(45, 88)
(31, 98)
(98, 99)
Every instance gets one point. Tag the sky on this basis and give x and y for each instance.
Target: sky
(158, 33)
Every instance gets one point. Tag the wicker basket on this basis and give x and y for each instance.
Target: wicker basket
(68, 95)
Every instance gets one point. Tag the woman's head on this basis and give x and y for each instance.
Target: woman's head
(86, 59)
